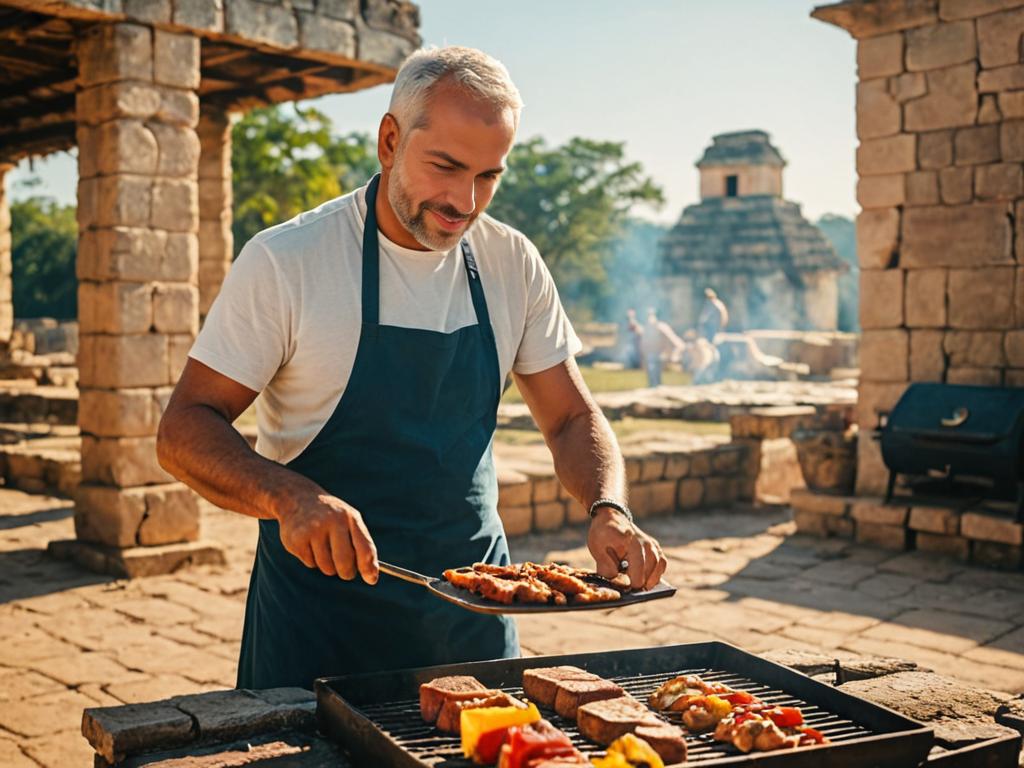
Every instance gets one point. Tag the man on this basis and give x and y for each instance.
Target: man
(376, 331)
(659, 342)
(713, 316)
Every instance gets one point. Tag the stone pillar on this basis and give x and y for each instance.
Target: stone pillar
(215, 239)
(6, 302)
(138, 301)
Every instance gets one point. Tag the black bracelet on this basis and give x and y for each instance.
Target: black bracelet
(613, 505)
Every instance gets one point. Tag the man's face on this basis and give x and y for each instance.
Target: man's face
(446, 172)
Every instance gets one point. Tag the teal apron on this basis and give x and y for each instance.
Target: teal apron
(409, 446)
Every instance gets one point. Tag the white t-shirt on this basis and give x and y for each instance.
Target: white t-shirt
(286, 321)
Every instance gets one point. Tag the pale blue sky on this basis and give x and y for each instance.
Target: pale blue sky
(661, 75)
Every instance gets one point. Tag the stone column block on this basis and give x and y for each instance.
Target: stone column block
(881, 298)
(123, 201)
(892, 154)
(216, 244)
(115, 307)
(123, 361)
(977, 145)
(121, 461)
(175, 59)
(880, 56)
(112, 52)
(120, 412)
(878, 113)
(940, 45)
(176, 308)
(999, 36)
(981, 298)
(884, 355)
(926, 298)
(935, 149)
(878, 233)
(927, 356)
(922, 188)
(951, 101)
(881, 191)
(956, 185)
(124, 146)
(178, 150)
(175, 205)
(6, 301)
(974, 349)
(956, 236)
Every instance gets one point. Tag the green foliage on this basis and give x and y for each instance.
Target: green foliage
(286, 160)
(44, 239)
(572, 202)
(842, 233)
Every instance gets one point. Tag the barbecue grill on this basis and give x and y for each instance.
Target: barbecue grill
(376, 716)
(958, 432)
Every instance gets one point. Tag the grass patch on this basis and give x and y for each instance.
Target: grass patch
(604, 380)
(624, 429)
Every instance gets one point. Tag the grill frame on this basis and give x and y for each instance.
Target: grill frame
(893, 740)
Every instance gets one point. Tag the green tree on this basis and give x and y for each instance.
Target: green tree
(285, 160)
(44, 239)
(572, 202)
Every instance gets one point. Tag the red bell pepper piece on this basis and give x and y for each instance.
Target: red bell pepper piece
(785, 717)
(738, 698)
(530, 742)
(816, 736)
(488, 747)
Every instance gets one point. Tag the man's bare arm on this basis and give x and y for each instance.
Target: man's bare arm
(589, 464)
(197, 444)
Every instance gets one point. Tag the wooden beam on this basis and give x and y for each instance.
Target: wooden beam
(25, 87)
(40, 140)
(37, 107)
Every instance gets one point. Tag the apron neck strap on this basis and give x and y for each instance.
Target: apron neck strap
(371, 266)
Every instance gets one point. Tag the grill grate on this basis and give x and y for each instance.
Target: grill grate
(402, 722)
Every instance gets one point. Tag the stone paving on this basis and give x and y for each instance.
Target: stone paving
(70, 639)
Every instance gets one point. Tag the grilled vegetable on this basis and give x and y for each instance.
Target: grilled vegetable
(474, 723)
(629, 752)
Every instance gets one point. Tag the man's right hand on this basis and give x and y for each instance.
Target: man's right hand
(326, 533)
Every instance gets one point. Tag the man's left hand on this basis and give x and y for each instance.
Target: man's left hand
(613, 538)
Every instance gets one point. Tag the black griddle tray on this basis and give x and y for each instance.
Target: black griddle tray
(376, 716)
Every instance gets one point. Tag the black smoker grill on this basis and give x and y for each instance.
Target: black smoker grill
(959, 433)
(376, 716)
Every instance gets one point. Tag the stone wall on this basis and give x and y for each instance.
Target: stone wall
(751, 180)
(940, 117)
(216, 242)
(6, 303)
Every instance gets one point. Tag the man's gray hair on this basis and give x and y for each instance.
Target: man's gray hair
(483, 76)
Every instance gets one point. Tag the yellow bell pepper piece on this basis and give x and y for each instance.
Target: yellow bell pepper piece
(629, 751)
(613, 760)
(475, 722)
(720, 708)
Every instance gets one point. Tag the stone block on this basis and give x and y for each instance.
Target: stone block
(922, 188)
(726, 460)
(576, 513)
(909, 85)
(875, 512)
(115, 307)
(1006, 557)
(926, 298)
(677, 465)
(938, 520)
(690, 494)
(992, 526)
(544, 484)
(1013, 378)
(805, 500)
(112, 362)
(956, 547)
(894, 537)
(131, 99)
(981, 298)
(881, 298)
(880, 56)
(980, 377)
(927, 356)
(976, 145)
(116, 732)
(951, 101)
(875, 399)
(1011, 140)
(974, 349)
(87, 140)
(272, 24)
(148, 11)
(175, 59)
(940, 45)
(175, 205)
(178, 150)
(111, 52)
(633, 467)
(1014, 348)
(956, 185)
(871, 472)
(878, 233)
(720, 491)
(935, 149)
(178, 107)
(878, 113)
(884, 355)
(123, 200)
(999, 36)
(653, 499)
(969, 9)
(956, 236)
(989, 112)
(339, 9)
(892, 154)
(1001, 79)
(133, 254)
(549, 516)
(121, 412)
(380, 47)
(205, 15)
(516, 520)
(866, 22)
(1011, 104)
(176, 308)
(652, 468)
(121, 461)
(1000, 181)
(514, 488)
(318, 33)
(178, 346)
(108, 515)
(881, 191)
(700, 464)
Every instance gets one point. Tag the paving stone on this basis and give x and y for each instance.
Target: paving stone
(61, 750)
(886, 586)
(839, 572)
(18, 684)
(940, 630)
(922, 565)
(228, 715)
(12, 757)
(117, 731)
(81, 668)
(149, 688)
(44, 715)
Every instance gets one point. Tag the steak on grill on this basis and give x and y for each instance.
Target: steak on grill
(449, 719)
(434, 694)
(571, 694)
(605, 721)
(541, 685)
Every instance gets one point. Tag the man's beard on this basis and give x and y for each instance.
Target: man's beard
(415, 219)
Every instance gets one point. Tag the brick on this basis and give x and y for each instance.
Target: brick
(1000, 79)
(880, 56)
(989, 112)
(178, 150)
(690, 494)
(927, 356)
(977, 145)
(956, 185)
(873, 511)
(926, 298)
(878, 113)
(1011, 104)
(909, 85)
(956, 236)
(892, 154)
(937, 520)
(884, 355)
(999, 36)
(175, 205)
(988, 526)
(115, 307)
(974, 349)
(881, 191)
(806, 500)
(877, 236)
(992, 554)
(951, 101)
(516, 520)
(981, 299)
(1001, 181)
(881, 292)
(950, 546)
(109, 362)
(980, 377)
(176, 308)
(940, 45)
(935, 149)
(175, 59)
(129, 99)
(111, 52)
(115, 732)
(922, 188)
(549, 516)
(894, 537)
